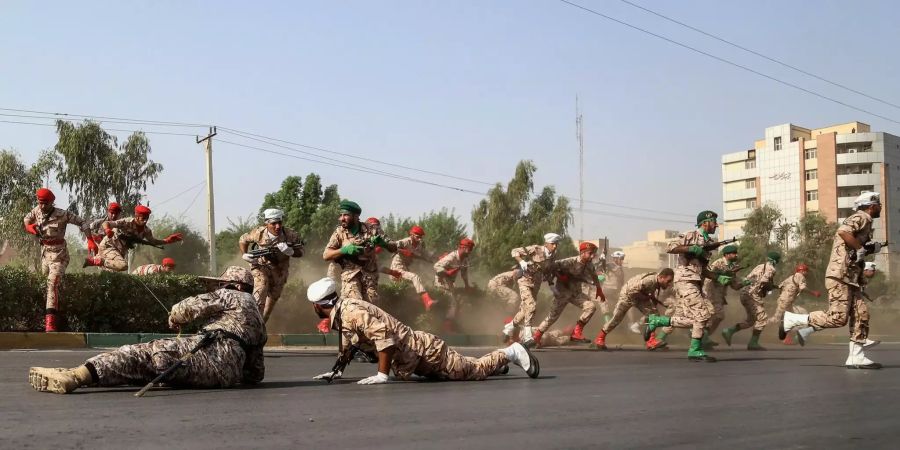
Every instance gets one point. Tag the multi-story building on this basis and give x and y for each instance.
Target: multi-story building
(651, 253)
(802, 170)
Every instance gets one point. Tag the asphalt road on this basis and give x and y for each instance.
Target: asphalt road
(784, 398)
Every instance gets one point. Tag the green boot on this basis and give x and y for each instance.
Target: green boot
(705, 343)
(654, 322)
(754, 341)
(696, 353)
(728, 333)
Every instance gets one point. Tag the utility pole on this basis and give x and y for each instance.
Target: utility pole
(579, 136)
(210, 203)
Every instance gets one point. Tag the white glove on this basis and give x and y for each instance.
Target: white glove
(285, 248)
(524, 265)
(554, 290)
(379, 378)
(249, 258)
(328, 376)
(861, 254)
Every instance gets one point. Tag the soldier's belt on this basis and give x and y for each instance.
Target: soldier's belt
(53, 241)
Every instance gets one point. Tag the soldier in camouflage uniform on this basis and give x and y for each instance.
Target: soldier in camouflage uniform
(843, 280)
(409, 353)
(445, 271)
(693, 308)
(409, 249)
(233, 356)
(502, 286)
(270, 273)
(791, 288)
(352, 246)
(533, 260)
(168, 265)
(717, 293)
(48, 223)
(757, 285)
(641, 292)
(113, 212)
(119, 233)
(569, 275)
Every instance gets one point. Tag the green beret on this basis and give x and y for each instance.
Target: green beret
(729, 249)
(351, 207)
(774, 256)
(706, 216)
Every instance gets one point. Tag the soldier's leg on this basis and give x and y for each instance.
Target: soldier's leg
(369, 285)
(838, 307)
(278, 280)
(718, 315)
(507, 295)
(457, 367)
(695, 311)
(559, 304)
(859, 332)
(113, 260)
(555, 338)
(622, 307)
(414, 279)
(352, 288)
(261, 282)
(588, 308)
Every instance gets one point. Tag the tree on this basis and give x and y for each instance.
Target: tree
(443, 229)
(191, 255)
(18, 184)
(757, 238)
(511, 218)
(94, 168)
(227, 251)
(814, 235)
(301, 201)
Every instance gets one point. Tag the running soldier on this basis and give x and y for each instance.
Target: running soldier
(843, 280)
(122, 235)
(233, 335)
(757, 285)
(48, 223)
(717, 292)
(641, 292)
(113, 212)
(409, 249)
(168, 265)
(445, 271)
(501, 286)
(791, 288)
(533, 260)
(409, 353)
(569, 274)
(270, 272)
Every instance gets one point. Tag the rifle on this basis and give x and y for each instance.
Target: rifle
(342, 361)
(714, 245)
(271, 252)
(208, 338)
(131, 240)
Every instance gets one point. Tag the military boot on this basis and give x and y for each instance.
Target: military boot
(696, 353)
(653, 322)
(754, 341)
(728, 333)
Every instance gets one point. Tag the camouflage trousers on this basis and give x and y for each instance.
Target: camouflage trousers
(216, 365)
(556, 338)
(363, 286)
(625, 303)
(756, 312)
(559, 305)
(785, 303)
(456, 367)
(445, 286)
(54, 261)
(693, 309)
(113, 260)
(718, 315)
(528, 305)
(845, 305)
(413, 278)
(268, 283)
(504, 293)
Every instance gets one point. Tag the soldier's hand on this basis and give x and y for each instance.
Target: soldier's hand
(724, 280)
(351, 250)
(31, 228)
(379, 240)
(249, 258)
(600, 294)
(405, 252)
(601, 277)
(174, 326)
(283, 247)
(872, 247)
(816, 294)
(451, 272)
(92, 246)
(328, 376)
(109, 232)
(696, 250)
(524, 265)
(174, 237)
(379, 378)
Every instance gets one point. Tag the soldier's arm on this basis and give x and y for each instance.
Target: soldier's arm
(847, 230)
(441, 265)
(464, 274)
(30, 218)
(520, 253)
(677, 248)
(374, 330)
(148, 236)
(333, 249)
(193, 308)
(244, 243)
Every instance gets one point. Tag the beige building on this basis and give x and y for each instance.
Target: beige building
(650, 253)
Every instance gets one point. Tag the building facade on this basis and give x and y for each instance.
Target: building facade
(822, 170)
(651, 253)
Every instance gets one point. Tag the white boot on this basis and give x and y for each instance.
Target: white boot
(526, 337)
(870, 343)
(636, 328)
(520, 356)
(857, 358)
(790, 322)
(803, 334)
(508, 328)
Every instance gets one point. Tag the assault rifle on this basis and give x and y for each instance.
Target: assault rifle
(131, 240)
(207, 339)
(342, 361)
(271, 252)
(714, 245)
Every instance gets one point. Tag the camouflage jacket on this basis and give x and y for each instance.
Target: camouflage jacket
(450, 261)
(53, 225)
(711, 286)
(792, 286)
(259, 237)
(124, 228)
(689, 267)
(402, 262)
(570, 273)
(761, 277)
(539, 259)
(840, 267)
(367, 261)
(641, 287)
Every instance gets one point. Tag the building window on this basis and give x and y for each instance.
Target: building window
(854, 169)
(777, 143)
(750, 184)
(751, 204)
(810, 153)
(812, 175)
(812, 195)
(750, 164)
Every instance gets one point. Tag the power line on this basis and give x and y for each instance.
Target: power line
(196, 196)
(108, 129)
(754, 52)
(731, 63)
(90, 116)
(181, 193)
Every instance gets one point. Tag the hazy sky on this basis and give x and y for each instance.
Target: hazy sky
(462, 87)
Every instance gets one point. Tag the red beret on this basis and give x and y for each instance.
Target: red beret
(373, 221)
(586, 246)
(168, 262)
(114, 207)
(45, 195)
(466, 242)
(417, 230)
(142, 210)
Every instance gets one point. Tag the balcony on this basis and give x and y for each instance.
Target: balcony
(738, 214)
(742, 174)
(862, 179)
(860, 158)
(740, 194)
(845, 202)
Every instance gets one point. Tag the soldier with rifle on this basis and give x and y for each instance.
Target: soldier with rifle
(446, 269)
(408, 353)
(113, 212)
(843, 280)
(790, 288)
(757, 285)
(48, 223)
(270, 260)
(533, 260)
(408, 250)
(718, 292)
(641, 292)
(227, 352)
(121, 236)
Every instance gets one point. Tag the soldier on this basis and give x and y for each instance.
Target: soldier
(445, 271)
(843, 277)
(409, 249)
(352, 246)
(533, 260)
(168, 265)
(757, 285)
(113, 212)
(270, 272)
(408, 352)
(641, 292)
(502, 285)
(114, 247)
(717, 293)
(693, 308)
(233, 335)
(48, 223)
(570, 273)
(791, 288)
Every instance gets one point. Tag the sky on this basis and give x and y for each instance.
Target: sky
(463, 88)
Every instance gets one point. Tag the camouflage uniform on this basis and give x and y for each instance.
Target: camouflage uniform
(639, 292)
(359, 274)
(845, 304)
(226, 362)
(416, 352)
(445, 283)
(571, 273)
(402, 263)
(693, 309)
(752, 297)
(113, 251)
(148, 269)
(717, 293)
(54, 253)
(270, 274)
(502, 287)
(530, 282)
(790, 289)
